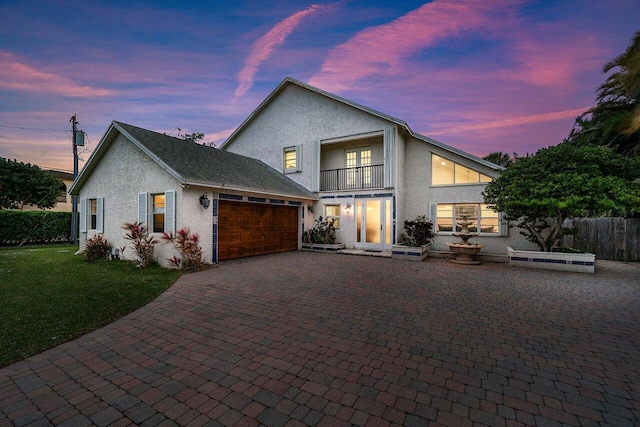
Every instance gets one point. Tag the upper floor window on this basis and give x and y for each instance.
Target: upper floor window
(444, 172)
(62, 197)
(291, 159)
(358, 163)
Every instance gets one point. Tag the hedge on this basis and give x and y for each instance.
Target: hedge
(34, 227)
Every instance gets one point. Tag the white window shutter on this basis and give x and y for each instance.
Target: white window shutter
(433, 215)
(503, 225)
(142, 208)
(170, 212)
(298, 158)
(389, 142)
(100, 215)
(83, 215)
(315, 166)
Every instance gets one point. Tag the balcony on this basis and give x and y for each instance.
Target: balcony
(358, 178)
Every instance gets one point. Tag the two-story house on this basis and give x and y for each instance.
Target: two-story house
(303, 153)
(371, 171)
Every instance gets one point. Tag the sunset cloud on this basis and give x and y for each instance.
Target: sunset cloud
(264, 46)
(515, 121)
(380, 50)
(18, 76)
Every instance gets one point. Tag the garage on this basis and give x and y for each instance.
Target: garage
(248, 229)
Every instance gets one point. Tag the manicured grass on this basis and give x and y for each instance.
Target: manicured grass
(49, 296)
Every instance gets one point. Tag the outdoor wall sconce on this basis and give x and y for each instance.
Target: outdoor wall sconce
(310, 208)
(204, 201)
(347, 209)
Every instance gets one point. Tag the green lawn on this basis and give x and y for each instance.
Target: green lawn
(48, 296)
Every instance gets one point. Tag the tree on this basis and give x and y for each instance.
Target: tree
(566, 181)
(25, 184)
(193, 137)
(501, 159)
(615, 120)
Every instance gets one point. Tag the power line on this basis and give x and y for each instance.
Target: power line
(24, 128)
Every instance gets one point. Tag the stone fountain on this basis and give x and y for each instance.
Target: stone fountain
(463, 249)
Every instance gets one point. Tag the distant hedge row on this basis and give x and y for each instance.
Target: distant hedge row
(34, 227)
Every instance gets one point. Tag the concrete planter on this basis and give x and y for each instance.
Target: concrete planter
(410, 253)
(581, 263)
(321, 247)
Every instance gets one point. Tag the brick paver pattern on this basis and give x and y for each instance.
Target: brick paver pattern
(321, 339)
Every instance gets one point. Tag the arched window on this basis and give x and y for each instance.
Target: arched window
(62, 197)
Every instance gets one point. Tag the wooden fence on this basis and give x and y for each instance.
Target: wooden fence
(616, 239)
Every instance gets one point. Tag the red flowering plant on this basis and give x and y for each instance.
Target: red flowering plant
(187, 246)
(142, 243)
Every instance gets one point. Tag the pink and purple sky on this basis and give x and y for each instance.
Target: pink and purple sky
(482, 76)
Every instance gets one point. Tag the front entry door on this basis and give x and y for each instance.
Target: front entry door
(373, 223)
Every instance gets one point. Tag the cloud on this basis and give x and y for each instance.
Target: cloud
(264, 46)
(17, 76)
(380, 50)
(516, 121)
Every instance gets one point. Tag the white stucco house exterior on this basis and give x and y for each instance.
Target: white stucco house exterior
(370, 171)
(301, 154)
(169, 184)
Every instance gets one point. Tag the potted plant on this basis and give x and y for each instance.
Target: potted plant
(322, 237)
(416, 240)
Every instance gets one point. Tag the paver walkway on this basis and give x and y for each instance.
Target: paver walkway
(322, 339)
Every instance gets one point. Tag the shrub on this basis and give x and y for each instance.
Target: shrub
(142, 243)
(34, 226)
(97, 248)
(418, 231)
(187, 246)
(323, 232)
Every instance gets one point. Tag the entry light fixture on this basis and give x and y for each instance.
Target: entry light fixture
(347, 209)
(310, 208)
(204, 201)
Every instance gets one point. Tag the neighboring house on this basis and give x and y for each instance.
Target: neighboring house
(302, 154)
(239, 206)
(64, 202)
(371, 172)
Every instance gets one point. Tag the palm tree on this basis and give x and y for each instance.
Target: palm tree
(615, 120)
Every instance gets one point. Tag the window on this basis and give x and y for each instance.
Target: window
(358, 164)
(483, 220)
(332, 212)
(291, 158)
(157, 212)
(92, 214)
(446, 172)
(62, 197)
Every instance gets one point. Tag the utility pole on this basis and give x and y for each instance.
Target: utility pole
(74, 198)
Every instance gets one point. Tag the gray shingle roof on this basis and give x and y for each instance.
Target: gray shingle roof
(193, 163)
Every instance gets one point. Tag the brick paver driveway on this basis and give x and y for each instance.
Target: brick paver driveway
(305, 339)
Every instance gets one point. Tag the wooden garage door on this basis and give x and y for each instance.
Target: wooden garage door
(246, 229)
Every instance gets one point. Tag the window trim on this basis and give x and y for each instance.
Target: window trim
(501, 226)
(297, 149)
(335, 217)
(86, 216)
(157, 211)
(480, 174)
(146, 212)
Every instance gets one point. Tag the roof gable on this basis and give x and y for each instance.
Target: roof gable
(196, 164)
(400, 123)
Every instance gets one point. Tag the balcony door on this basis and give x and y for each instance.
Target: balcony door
(373, 223)
(358, 164)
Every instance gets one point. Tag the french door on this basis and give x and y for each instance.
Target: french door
(373, 223)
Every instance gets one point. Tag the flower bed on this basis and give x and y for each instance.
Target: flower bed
(578, 262)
